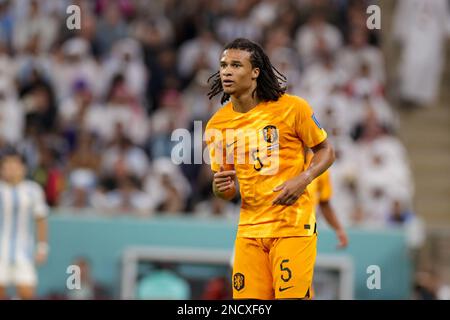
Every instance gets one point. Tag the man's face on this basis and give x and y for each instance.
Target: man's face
(236, 72)
(12, 169)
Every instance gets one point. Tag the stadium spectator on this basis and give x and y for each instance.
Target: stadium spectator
(421, 27)
(167, 186)
(359, 52)
(12, 114)
(126, 58)
(111, 27)
(198, 53)
(317, 35)
(128, 198)
(238, 23)
(35, 25)
(122, 157)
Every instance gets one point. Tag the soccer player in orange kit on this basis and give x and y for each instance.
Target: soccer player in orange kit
(259, 138)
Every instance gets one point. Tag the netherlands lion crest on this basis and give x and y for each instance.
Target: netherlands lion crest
(238, 281)
(270, 134)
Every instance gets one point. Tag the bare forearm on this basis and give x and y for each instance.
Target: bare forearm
(330, 216)
(322, 159)
(41, 230)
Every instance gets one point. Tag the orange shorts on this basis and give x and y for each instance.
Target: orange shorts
(274, 268)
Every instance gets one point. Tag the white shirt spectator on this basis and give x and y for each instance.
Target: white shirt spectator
(133, 159)
(203, 49)
(69, 110)
(312, 37)
(321, 79)
(285, 59)
(397, 159)
(351, 58)
(8, 67)
(195, 98)
(334, 112)
(126, 58)
(422, 27)
(153, 185)
(383, 177)
(78, 64)
(238, 25)
(265, 13)
(359, 110)
(35, 24)
(103, 120)
(11, 115)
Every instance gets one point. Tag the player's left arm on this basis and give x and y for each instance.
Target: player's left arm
(42, 247)
(322, 159)
(40, 211)
(292, 189)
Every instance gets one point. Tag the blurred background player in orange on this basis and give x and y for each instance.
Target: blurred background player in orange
(321, 190)
(275, 247)
(22, 206)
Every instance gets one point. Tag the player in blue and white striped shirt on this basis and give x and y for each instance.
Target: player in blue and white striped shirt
(23, 210)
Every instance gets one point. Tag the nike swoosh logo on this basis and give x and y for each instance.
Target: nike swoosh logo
(230, 144)
(283, 289)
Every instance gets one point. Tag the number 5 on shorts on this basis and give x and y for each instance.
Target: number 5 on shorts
(286, 274)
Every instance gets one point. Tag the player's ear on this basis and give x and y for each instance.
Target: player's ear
(255, 73)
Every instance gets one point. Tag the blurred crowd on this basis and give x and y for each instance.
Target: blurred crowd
(93, 109)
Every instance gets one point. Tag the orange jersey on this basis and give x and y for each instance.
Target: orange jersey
(320, 188)
(272, 155)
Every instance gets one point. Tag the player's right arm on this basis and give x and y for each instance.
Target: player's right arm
(224, 185)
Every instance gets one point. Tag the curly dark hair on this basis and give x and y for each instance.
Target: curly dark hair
(269, 82)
